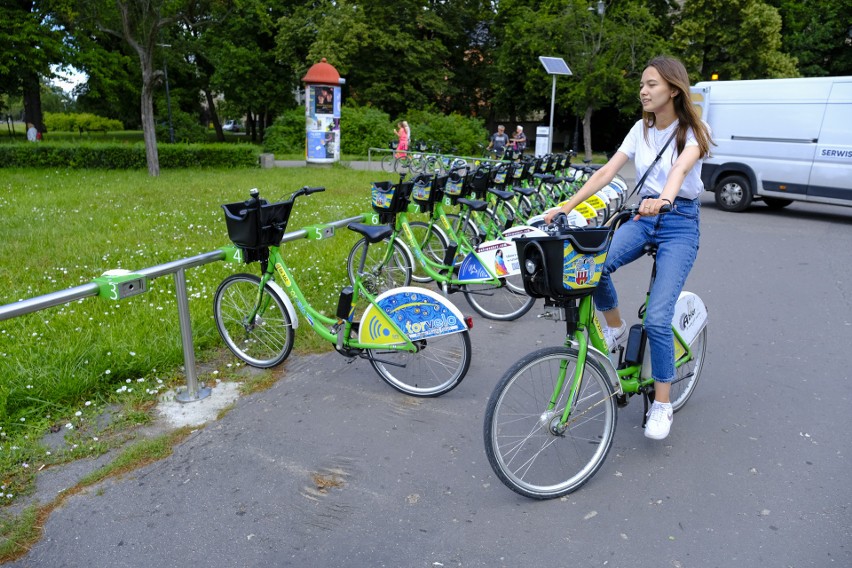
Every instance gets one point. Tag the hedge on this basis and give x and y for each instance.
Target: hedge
(126, 156)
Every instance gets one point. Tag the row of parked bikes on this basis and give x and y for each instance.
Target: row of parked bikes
(477, 230)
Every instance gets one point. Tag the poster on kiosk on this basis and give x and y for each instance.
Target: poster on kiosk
(323, 123)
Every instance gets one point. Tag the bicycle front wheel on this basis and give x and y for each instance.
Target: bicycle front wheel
(433, 244)
(686, 376)
(388, 162)
(264, 340)
(527, 447)
(505, 301)
(384, 268)
(438, 366)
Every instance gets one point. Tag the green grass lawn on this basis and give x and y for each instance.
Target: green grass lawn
(61, 366)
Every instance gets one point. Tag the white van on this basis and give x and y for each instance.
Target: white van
(779, 140)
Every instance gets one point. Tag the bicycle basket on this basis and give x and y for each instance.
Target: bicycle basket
(454, 186)
(477, 184)
(500, 174)
(250, 227)
(421, 190)
(564, 267)
(388, 197)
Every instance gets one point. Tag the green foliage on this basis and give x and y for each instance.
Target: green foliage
(452, 133)
(287, 133)
(185, 127)
(815, 32)
(80, 122)
(126, 156)
(708, 29)
(363, 127)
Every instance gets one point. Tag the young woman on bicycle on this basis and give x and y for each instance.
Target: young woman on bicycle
(675, 180)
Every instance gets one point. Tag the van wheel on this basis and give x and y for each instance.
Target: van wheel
(775, 203)
(733, 193)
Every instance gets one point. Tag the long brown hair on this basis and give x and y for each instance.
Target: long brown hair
(674, 73)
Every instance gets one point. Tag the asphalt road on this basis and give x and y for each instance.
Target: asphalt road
(331, 467)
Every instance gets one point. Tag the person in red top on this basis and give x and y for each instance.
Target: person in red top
(401, 133)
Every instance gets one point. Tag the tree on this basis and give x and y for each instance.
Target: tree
(32, 38)
(736, 39)
(139, 23)
(817, 34)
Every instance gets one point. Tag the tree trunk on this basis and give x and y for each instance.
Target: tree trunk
(214, 116)
(149, 131)
(32, 100)
(587, 132)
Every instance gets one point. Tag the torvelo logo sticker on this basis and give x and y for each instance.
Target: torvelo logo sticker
(418, 315)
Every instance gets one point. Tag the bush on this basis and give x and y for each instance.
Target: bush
(80, 122)
(362, 128)
(126, 156)
(465, 134)
(186, 128)
(287, 133)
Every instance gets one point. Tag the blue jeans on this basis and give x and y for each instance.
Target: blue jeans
(676, 235)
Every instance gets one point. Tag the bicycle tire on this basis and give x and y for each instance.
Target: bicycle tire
(263, 343)
(381, 274)
(524, 450)
(471, 231)
(402, 165)
(433, 246)
(504, 302)
(388, 162)
(436, 368)
(687, 375)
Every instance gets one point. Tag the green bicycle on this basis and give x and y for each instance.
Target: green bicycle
(488, 276)
(550, 421)
(417, 341)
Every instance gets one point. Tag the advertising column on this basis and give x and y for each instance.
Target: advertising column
(322, 113)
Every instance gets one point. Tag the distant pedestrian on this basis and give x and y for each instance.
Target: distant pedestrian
(499, 141)
(519, 139)
(401, 132)
(33, 135)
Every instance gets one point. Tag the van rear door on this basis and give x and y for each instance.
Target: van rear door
(831, 175)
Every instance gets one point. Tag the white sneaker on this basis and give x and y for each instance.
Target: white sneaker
(659, 421)
(614, 335)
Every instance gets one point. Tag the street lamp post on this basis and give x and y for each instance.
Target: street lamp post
(554, 66)
(168, 97)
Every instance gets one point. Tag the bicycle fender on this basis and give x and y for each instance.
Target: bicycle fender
(690, 316)
(522, 231)
(419, 313)
(294, 318)
(492, 258)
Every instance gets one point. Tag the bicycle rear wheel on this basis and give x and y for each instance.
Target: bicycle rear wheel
(527, 448)
(436, 368)
(262, 342)
(384, 269)
(433, 244)
(686, 376)
(504, 302)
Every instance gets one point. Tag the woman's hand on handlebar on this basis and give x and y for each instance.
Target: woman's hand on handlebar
(651, 207)
(550, 214)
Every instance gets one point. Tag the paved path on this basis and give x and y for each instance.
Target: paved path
(331, 467)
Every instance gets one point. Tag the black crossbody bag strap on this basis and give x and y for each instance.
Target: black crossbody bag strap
(654, 163)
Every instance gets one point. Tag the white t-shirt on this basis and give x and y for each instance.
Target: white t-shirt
(643, 154)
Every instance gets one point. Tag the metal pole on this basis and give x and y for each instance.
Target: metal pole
(192, 392)
(168, 102)
(552, 103)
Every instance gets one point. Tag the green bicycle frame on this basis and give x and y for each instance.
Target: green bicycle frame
(318, 321)
(629, 377)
